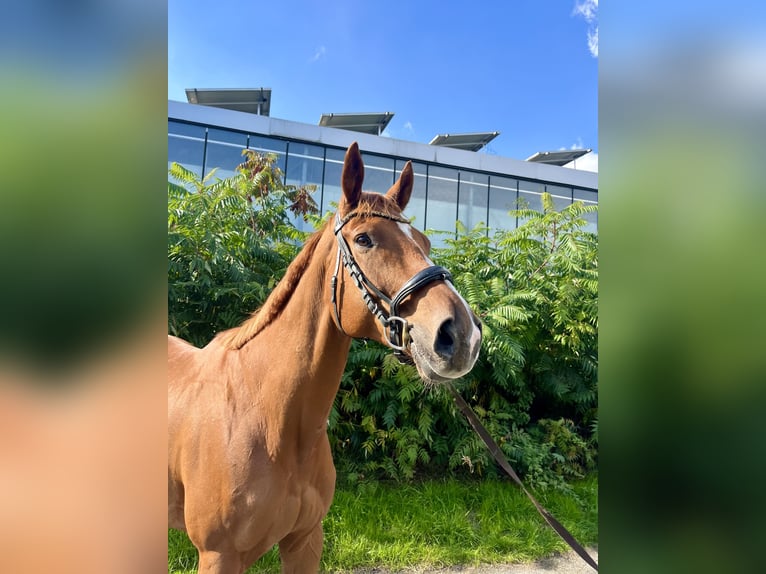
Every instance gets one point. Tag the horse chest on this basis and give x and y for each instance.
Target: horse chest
(278, 501)
(295, 479)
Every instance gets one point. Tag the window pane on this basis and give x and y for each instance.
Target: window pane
(300, 149)
(304, 167)
(225, 157)
(585, 195)
(592, 219)
(189, 130)
(224, 151)
(472, 208)
(502, 200)
(336, 154)
(226, 136)
(562, 196)
(530, 197)
(588, 198)
(331, 192)
(417, 205)
(378, 173)
(186, 145)
(265, 145)
(441, 208)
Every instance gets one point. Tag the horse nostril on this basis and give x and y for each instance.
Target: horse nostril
(445, 339)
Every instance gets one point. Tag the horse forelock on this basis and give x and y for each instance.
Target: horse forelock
(375, 204)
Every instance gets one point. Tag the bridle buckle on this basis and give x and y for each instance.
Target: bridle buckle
(398, 332)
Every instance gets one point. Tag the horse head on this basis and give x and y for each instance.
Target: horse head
(387, 289)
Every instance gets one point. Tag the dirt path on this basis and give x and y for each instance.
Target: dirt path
(569, 563)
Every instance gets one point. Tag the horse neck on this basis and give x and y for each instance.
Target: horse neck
(300, 356)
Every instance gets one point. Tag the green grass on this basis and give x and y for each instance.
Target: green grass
(434, 523)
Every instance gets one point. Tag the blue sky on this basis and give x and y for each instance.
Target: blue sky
(525, 68)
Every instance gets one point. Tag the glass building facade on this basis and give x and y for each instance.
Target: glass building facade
(443, 194)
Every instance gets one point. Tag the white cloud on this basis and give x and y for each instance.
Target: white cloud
(408, 128)
(593, 42)
(588, 9)
(318, 54)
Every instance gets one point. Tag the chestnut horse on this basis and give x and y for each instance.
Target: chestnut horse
(249, 463)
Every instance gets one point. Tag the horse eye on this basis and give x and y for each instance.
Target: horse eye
(363, 240)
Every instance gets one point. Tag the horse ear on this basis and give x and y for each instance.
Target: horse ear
(351, 180)
(400, 192)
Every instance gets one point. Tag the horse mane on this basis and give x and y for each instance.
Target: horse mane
(236, 338)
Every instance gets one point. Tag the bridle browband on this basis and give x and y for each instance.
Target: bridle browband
(395, 327)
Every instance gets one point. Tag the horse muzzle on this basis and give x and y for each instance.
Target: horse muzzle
(450, 349)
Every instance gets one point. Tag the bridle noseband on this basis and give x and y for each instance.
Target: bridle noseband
(395, 327)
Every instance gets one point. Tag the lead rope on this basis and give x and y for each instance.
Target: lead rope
(498, 455)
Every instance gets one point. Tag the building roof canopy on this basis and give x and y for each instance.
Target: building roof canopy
(251, 100)
(367, 123)
(470, 142)
(559, 158)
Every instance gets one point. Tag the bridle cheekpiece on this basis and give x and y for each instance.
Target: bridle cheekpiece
(395, 327)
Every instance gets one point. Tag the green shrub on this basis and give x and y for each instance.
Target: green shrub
(534, 386)
(229, 243)
(534, 288)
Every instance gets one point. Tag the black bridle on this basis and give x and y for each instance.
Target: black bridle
(395, 327)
